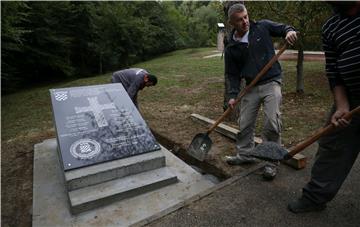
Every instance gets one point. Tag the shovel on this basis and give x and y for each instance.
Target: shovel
(201, 143)
(271, 151)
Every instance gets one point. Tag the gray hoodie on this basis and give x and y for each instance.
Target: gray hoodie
(132, 79)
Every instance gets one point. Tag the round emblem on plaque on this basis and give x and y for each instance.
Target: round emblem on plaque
(85, 149)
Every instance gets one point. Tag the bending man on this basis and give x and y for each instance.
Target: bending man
(134, 80)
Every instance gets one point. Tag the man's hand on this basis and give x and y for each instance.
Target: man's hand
(231, 103)
(342, 107)
(291, 37)
(337, 118)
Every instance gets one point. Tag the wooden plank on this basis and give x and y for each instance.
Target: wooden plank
(297, 162)
(223, 129)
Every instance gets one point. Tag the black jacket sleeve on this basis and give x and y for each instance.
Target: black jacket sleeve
(233, 73)
(277, 29)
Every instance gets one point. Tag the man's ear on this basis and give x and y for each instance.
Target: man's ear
(146, 78)
(229, 22)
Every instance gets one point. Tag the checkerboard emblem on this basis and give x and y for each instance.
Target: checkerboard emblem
(85, 149)
(61, 95)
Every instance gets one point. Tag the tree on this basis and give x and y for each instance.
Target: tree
(178, 22)
(306, 16)
(44, 41)
(48, 45)
(125, 33)
(83, 57)
(12, 40)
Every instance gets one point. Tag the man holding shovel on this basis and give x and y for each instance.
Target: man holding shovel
(338, 150)
(250, 48)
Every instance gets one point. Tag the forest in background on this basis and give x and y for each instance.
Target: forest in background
(52, 41)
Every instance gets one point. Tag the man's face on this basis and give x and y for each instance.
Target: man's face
(240, 21)
(148, 84)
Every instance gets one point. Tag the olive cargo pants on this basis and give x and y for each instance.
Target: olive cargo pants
(270, 96)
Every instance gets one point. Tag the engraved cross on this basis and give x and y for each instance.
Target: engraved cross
(97, 109)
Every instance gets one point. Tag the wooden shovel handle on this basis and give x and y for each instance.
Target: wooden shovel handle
(247, 88)
(322, 131)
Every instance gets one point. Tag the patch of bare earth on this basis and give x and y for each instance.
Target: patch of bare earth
(17, 178)
(302, 114)
(174, 123)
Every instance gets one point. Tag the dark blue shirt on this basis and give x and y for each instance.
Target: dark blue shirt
(245, 60)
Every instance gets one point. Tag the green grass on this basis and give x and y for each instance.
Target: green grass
(185, 78)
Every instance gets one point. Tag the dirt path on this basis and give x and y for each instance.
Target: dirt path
(307, 57)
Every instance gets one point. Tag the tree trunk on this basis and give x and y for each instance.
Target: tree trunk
(300, 71)
(100, 64)
(300, 59)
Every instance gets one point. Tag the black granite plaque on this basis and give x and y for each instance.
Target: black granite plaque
(98, 123)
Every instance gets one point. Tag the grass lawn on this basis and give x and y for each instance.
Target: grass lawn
(188, 83)
(185, 78)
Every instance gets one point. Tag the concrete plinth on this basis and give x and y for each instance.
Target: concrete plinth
(105, 193)
(50, 200)
(92, 175)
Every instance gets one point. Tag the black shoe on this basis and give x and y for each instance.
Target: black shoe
(238, 160)
(270, 172)
(303, 205)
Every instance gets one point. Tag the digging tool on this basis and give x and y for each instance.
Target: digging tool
(274, 152)
(201, 143)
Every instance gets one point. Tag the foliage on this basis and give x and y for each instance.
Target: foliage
(306, 16)
(47, 45)
(51, 41)
(43, 41)
(12, 33)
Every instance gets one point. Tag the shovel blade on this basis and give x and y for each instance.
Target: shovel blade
(200, 146)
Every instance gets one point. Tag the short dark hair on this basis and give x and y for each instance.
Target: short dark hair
(152, 79)
(342, 7)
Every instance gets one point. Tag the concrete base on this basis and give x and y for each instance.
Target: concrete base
(107, 171)
(51, 206)
(108, 192)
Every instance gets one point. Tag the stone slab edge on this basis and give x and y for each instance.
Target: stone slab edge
(89, 205)
(76, 179)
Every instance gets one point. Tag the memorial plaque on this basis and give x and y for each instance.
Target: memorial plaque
(98, 123)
